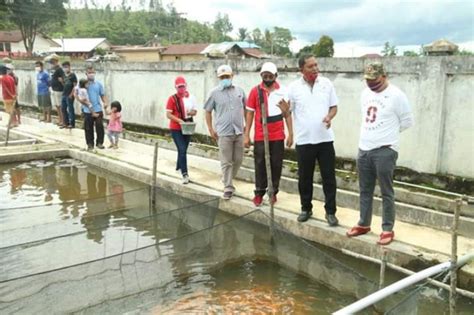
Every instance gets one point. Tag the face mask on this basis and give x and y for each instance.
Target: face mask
(311, 77)
(91, 76)
(225, 83)
(37, 69)
(375, 86)
(268, 83)
(181, 91)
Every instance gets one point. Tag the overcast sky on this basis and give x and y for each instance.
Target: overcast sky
(357, 26)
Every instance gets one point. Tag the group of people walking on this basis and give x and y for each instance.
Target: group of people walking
(60, 88)
(307, 107)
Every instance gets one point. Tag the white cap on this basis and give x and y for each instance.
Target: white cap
(269, 67)
(224, 70)
(10, 66)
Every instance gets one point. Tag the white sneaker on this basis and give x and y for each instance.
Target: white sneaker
(185, 179)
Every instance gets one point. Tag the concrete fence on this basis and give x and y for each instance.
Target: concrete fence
(440, 90)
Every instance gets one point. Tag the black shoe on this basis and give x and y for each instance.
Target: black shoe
(332, 220)
(100, 146)
(304, 216)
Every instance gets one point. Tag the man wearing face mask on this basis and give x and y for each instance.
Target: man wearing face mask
(385, 113)
(313, 103)
(57, 85)
(42, 88)
(227, 101)
(181, 107)
(270, 93)
(67, 101)
(96, 93)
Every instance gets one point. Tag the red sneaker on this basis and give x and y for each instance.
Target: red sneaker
(257, 200)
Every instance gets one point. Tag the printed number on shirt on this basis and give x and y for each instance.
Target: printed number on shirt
(371, 114)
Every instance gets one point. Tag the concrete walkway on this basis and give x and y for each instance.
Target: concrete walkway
(433, 245)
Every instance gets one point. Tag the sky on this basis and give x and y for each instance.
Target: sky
(356, 26)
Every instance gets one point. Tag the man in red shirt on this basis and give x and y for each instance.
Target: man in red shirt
(270, 93)
(8, 91)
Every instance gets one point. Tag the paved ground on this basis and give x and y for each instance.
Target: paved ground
(205, 172)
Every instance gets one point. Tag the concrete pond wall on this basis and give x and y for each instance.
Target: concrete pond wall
(440, 90)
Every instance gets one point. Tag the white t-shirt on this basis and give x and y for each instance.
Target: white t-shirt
(309, 106)
(190, 104)
(384, 116)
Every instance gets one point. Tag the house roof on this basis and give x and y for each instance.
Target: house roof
(137, 48)
(15, 37)
(185, 49)
(10, 36)
(226, 46)
(373, 55)
(78, 44)
(256, 53)
(441, 45)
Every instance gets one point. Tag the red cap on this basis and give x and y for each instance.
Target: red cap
(180, 81)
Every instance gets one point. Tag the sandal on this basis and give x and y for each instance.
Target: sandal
(358, 230)
(386, 238)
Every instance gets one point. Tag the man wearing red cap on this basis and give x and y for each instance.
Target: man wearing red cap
(181, 107)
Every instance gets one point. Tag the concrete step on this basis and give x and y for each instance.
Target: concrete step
(411, 206)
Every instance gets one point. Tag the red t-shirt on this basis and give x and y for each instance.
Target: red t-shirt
(171, 107)
(8, 87)
(276, 129)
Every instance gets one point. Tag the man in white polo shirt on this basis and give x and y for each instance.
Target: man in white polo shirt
(313, 104)
(385, 113)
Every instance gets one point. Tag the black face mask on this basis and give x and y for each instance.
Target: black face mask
(268, 83)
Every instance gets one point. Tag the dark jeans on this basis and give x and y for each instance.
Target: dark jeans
(326, 156)
(89, 123)
(377, 164)
(182, 143)
(277, 148)
(67, 107)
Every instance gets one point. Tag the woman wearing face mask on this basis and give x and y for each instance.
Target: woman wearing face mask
(268, 92)
(181, 107)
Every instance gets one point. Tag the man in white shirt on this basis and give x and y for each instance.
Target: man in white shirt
(313, 104)
(385, 113)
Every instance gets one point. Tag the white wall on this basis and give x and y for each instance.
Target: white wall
(440, 90)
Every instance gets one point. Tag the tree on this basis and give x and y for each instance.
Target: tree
(324, 47)
(281, 39)
(222, 26)
(389, 50)
(33, 16)
(410, 53)
(243, 34)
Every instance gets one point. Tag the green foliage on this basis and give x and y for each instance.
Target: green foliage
(222, 26)
(274, 43)
(323, 48)
(33, 16)
(389, 50)
(410, 53)
(243, 34)
(464, 53)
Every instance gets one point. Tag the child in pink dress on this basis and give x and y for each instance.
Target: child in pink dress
(114, 128)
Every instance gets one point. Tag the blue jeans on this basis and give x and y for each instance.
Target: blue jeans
(67, 107)
(182, 143)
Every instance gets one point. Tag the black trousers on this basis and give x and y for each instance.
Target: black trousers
(326, 156)
(89, 123)
(277, 148)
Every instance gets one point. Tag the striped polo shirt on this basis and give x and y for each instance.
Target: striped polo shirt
(228, 104)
